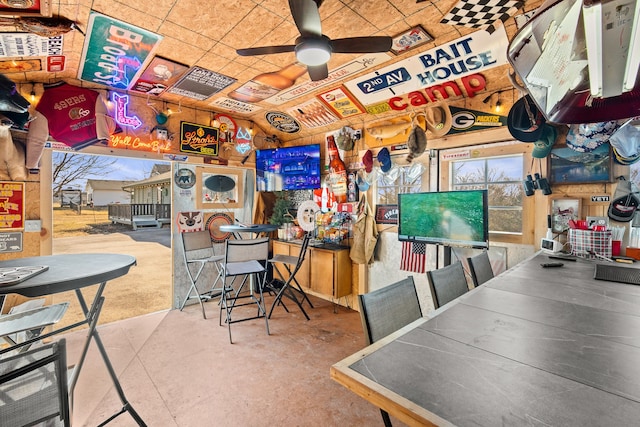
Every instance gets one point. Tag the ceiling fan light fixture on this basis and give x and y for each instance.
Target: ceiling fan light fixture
(313, 52)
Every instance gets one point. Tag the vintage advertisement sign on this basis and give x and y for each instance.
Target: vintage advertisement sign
(21, 66)
(11, 242)
(282, 122)
(466, 120)
(198, 139)
(114, 52)
(312, 114)
(459, 58)
(26, 44)
(357, 65)
(340, 101)
(200, 84)
(235, 106)
(11, 205)
(158, 76)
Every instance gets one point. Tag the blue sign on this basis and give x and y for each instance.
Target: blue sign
(384, 81)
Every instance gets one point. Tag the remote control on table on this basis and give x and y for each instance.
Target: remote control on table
(551, 264)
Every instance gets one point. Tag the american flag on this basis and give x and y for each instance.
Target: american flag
(414, 257)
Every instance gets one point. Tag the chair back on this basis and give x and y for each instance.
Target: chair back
(480, 268)
(447, 283)
(196, 241)
(247, 250)
(388, 309)
(33, 386)
(303, 251)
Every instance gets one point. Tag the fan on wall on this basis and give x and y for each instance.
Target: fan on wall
(313, 48)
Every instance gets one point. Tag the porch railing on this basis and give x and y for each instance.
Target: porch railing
(125, 211)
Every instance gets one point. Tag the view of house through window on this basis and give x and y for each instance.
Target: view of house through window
(502, 177)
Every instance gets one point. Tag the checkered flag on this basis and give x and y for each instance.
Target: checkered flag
(481, 13)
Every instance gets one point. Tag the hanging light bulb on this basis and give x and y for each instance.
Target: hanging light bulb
(215, 123)
(251, 128)
(498, 105)
(32, 95)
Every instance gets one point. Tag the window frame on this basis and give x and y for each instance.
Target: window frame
(497, 149)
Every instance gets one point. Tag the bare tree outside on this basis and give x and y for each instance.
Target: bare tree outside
(505, 194)
(72, 168)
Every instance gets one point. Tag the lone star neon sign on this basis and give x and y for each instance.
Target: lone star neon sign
(122, 117)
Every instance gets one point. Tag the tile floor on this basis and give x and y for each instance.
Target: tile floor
(178, 369)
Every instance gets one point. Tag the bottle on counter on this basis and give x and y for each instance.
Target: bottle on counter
(266, 85)
(338, 171)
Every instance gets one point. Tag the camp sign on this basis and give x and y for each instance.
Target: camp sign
(11, 205)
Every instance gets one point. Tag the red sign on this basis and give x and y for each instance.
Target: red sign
(55, 63)
(11, 205)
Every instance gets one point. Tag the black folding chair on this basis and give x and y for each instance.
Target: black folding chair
(246, 259)
(33, 387)
(289, 287)
(198, 251)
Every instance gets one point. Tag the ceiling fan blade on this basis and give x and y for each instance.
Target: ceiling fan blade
(361, 44)
(265, 50)
(318, 72)
(306, 16)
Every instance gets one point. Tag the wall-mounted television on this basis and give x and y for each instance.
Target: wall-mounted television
(450, 218)
(288, 168)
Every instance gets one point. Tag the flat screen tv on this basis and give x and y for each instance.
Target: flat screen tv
(288, 168)
(450, 218)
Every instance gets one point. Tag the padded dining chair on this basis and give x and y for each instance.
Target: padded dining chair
(33, 387)
(197, 253)
(386, 310)
(289, 287)
(447, 283)
(480, 268)
(247, 260)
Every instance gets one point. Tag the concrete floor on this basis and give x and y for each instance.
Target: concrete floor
(178, 369)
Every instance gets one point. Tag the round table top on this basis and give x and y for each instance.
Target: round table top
(67, 272)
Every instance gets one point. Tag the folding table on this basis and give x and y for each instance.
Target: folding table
(74, 272)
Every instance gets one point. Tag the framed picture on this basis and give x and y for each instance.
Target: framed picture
(567, 166)
(563, 210)
(409, 39)
(218, 188)
(41, 8)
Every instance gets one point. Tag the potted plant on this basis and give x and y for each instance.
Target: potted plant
(280, 215)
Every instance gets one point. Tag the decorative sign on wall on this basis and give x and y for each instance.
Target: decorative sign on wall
(362, 63)
(200, 84)
(229, 104)
(462, 57)
(26, 44)
(130, 142)
(20, 66)
(11, 205)
(410, 39)
(114, 51)
(387, 214)
(11, 242)
(198, 139)
(158, 76)
(122, 116)
(282, 122)
(466, 120)
(313, 114)
(340, 101)
(33, 8)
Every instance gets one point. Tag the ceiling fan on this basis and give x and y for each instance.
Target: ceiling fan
(313, 48)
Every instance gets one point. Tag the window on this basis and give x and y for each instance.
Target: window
(502, 177)
(400, 179)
